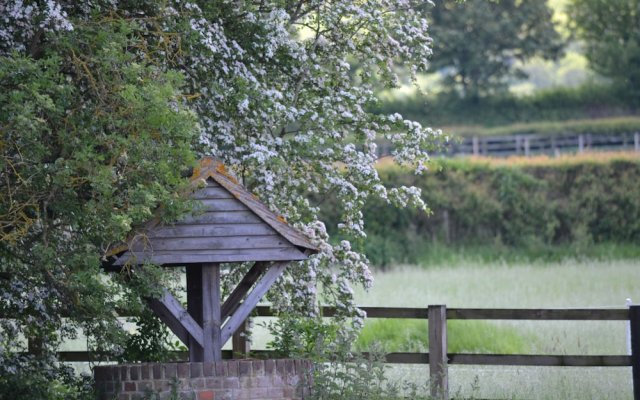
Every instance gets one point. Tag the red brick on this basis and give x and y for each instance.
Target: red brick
(134, 372)
(232, 368)
(231, 383)
(269, 367)
(244, 368)
(221, 368)
(258, 367)
(157, 371)
(196, 370)
(145, 372)
(206, 395)
(213, 383)
(128, 386)
(208, 369)
(184, 370)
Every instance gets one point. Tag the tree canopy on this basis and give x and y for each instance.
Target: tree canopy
(611, 35)
(105, 105)
(476, 44)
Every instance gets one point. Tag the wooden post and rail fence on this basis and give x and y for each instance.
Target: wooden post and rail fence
(534, 144)
(438, 356)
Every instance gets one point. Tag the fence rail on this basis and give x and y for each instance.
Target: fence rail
(439, 358)
(534, 144)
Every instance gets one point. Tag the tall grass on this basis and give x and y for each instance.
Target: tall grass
(567, 284)
(463, 337)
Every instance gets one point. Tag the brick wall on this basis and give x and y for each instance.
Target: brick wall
(226, 380)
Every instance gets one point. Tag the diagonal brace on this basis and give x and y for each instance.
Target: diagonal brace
(247, 306)
(232, 302)
(170, 311)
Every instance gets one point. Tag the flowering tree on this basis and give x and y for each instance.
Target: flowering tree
(269, 87)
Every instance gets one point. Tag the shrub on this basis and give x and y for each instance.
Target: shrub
(525, 204)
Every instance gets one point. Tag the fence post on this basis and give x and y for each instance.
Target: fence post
(438, 374)
(634, 321)
(239, 343)
(636, 141)
(526, 146)
(476, 145)
(580, 143)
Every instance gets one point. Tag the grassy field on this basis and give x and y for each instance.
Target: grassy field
(555, 285)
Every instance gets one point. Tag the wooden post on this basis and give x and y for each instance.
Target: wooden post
(526, 146)
(447, 226)
(636, 141)
(240, 344)
(211, 313)
(580, 143)
(634, 320)
(194, 308)
(476, 146)
(438, 373)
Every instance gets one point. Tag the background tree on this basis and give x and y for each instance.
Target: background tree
(476, 44)
(611, 35)
(103, 105)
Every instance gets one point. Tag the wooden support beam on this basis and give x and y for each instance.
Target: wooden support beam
(165, 316)
(244, 310)
(251, 277)
(194, 307)
(211, 312)
(170, 311)
(438, 373)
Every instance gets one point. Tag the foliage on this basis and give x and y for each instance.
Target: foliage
(475, 43)
(92, 142)
(586, 102)
(104, 104)
(528, 204)
(600, 126)
(611, 33)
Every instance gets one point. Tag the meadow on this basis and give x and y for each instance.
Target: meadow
(566, 284)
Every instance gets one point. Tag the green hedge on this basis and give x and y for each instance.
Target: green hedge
(601, 126)
(589, 101)
(524, 206)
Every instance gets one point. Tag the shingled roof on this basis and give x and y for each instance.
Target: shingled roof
(231, 226)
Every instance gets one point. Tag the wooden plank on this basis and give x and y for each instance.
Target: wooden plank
(539, 314)
(407, 358)
(634, 324)
(438, 370)
(212, 192)
(260, 289)
(199, 230)
(191, 257)
(169, 319)
(217, 217)
(194, 307)
(213, 243)
(221, 205)
(540, 360)
(211, 312)
(174, 307)
(248, 280)
(392, 312)
(480, 313)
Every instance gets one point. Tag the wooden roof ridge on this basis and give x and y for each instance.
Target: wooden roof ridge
(210, 167)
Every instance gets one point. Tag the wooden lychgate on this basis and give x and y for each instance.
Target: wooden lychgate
(229, 225)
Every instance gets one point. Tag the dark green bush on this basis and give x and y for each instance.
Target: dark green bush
(525, 206)
(588, 101)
